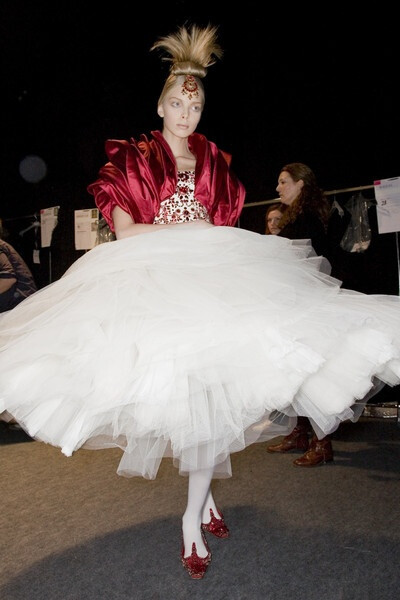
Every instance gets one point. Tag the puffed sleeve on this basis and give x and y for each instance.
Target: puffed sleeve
(217, 187)
(230, 191)
(126, 181)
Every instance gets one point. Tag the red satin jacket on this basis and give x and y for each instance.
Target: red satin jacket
(140, 175)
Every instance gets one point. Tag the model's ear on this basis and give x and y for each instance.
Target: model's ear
(160, 111)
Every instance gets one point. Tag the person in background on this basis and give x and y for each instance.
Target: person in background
(16, 284)
(16, 279)
(273, 216)
(307, 209)
(305, 217)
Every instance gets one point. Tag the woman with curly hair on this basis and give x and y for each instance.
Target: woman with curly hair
(305, 216)
(308, 209)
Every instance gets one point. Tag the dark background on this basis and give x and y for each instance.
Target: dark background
(309, 83)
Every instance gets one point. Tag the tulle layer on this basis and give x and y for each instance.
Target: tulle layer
(193, 342)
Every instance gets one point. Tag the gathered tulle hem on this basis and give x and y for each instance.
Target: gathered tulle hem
(142, 457)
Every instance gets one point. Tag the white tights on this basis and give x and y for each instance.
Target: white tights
(200, 500)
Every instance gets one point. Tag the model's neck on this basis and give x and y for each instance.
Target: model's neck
(179, 146)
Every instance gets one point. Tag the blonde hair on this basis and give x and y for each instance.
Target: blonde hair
(191, 52)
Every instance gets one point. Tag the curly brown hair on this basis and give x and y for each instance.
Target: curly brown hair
(311, 197)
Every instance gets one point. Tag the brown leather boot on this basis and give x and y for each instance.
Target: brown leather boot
(297, 440)
(319, 452)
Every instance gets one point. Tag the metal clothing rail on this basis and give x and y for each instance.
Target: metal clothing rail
(331, 193)
(35, 216)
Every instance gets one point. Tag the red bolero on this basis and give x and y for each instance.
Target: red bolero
(140, 175)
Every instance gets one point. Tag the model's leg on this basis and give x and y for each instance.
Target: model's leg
(213, 519)
(209, 503)
(198, 493)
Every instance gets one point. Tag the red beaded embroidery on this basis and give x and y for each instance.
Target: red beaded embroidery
(182, 206)
(190, 87)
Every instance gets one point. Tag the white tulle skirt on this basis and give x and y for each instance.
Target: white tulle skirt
(192, 342)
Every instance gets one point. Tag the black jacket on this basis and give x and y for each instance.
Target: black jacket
(308, 226)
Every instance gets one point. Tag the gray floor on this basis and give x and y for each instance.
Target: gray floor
(72, 529)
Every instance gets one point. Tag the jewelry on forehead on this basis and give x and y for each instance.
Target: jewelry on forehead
(190, 87)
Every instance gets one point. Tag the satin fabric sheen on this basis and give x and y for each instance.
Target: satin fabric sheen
(140, 175)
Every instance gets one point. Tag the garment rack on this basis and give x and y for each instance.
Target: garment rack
(330, 193)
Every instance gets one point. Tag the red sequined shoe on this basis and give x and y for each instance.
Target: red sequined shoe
(216, 526)
(196, 565)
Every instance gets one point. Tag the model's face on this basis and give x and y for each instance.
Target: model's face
(181, 114)
(287, 188)
(272, 221)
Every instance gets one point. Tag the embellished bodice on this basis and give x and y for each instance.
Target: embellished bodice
(182, 206)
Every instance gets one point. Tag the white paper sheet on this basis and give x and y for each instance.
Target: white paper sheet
(387, 195)
(86, 227)
(48, 220)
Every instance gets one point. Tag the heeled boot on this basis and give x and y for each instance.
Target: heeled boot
(297, 440)
(319, 452)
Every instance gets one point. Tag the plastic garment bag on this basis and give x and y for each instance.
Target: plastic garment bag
(357, 236)
(104, 233)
